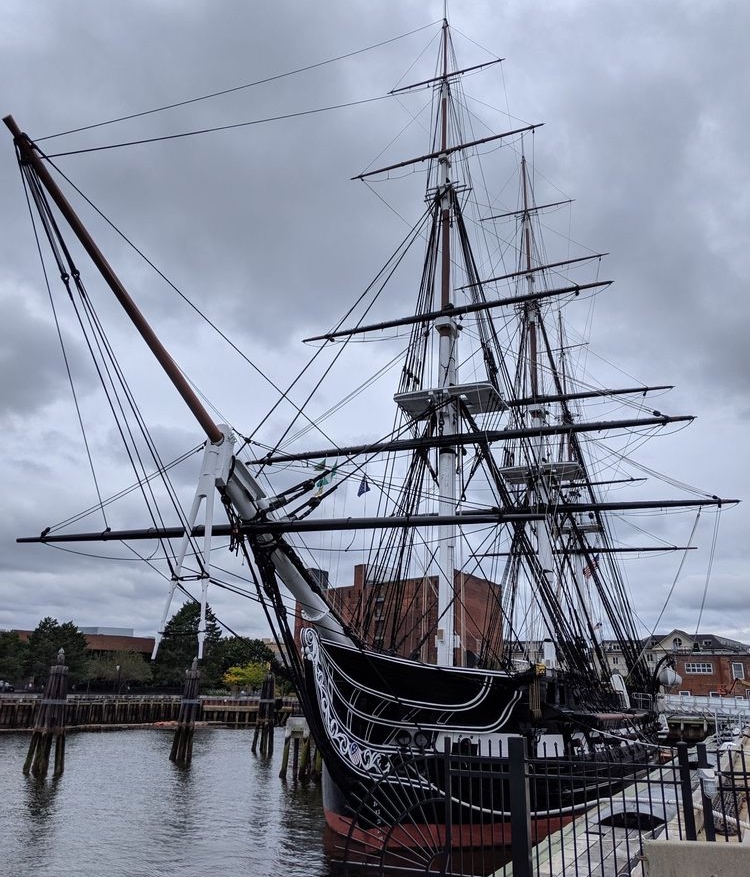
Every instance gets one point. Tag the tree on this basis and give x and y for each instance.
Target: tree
(12, 652)
(236, 651)
(46, 641)
(249, 677)
(179, 646)
(119, 667)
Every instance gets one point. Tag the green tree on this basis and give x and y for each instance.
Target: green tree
(12, 652)
(46, 641)
(179, 646)
(121, 668)
(236, 651)
(248, 677)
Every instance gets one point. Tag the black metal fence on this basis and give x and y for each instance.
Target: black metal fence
(511, 815)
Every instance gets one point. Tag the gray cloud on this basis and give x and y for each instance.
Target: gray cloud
(646, 112)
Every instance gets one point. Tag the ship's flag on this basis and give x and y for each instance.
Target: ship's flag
(593, 564)
(326, 476)
(364, 486)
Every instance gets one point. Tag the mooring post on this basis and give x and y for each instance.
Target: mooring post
(49, 723)
(266, 719)
(296, 730)
(317, 764)
(304, 759)
(182, 744)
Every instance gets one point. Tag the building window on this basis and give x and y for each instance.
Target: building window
(615, 660)
(676, 643)
(650, 657)
(704, 668)
(684, 694)
(738, 671)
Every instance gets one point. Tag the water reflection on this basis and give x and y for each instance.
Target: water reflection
(124, 809)
(38, 827)
(40, 800)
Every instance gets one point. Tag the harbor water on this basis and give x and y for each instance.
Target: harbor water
(123, 809)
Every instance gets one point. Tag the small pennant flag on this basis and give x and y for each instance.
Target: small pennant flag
(593, 564)
(364, 486)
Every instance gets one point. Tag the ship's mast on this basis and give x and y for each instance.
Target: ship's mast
(538, 448)
(447, 377)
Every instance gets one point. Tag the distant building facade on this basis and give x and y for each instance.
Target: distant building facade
(708, 664)
(104, 641)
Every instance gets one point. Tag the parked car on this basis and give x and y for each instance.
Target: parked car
(6, 686)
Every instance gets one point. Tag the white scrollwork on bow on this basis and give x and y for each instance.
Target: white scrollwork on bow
(360, 757)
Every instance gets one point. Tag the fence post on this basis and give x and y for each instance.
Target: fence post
(448, 816)
(686, 790)
(706, 792)
(520, 815)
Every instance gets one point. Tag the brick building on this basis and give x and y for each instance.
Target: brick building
(412, 621)
(708, 664)
(103, 641)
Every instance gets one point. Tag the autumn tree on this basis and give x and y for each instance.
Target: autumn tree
(248, 677)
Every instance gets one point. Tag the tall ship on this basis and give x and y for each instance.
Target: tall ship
(454, 583)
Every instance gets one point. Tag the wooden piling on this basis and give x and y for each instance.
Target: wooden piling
(303, 772)
(182, 744)
(49, 723)
(316, 770)
(297, 741)
(266, 720)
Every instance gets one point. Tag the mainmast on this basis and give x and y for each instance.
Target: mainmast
(539, 487)
(447, 330)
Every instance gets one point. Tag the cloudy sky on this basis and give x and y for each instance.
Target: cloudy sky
(645, 105)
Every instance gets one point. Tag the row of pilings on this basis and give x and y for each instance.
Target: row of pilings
(50, 725)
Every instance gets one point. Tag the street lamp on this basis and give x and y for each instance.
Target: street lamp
(118, 668)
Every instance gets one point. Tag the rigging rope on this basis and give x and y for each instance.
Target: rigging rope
(711, 556)
(144, 140)
(676, 578)
(247, 85)
(28, 184)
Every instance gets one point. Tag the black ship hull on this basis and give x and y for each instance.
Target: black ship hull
(404, 767)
